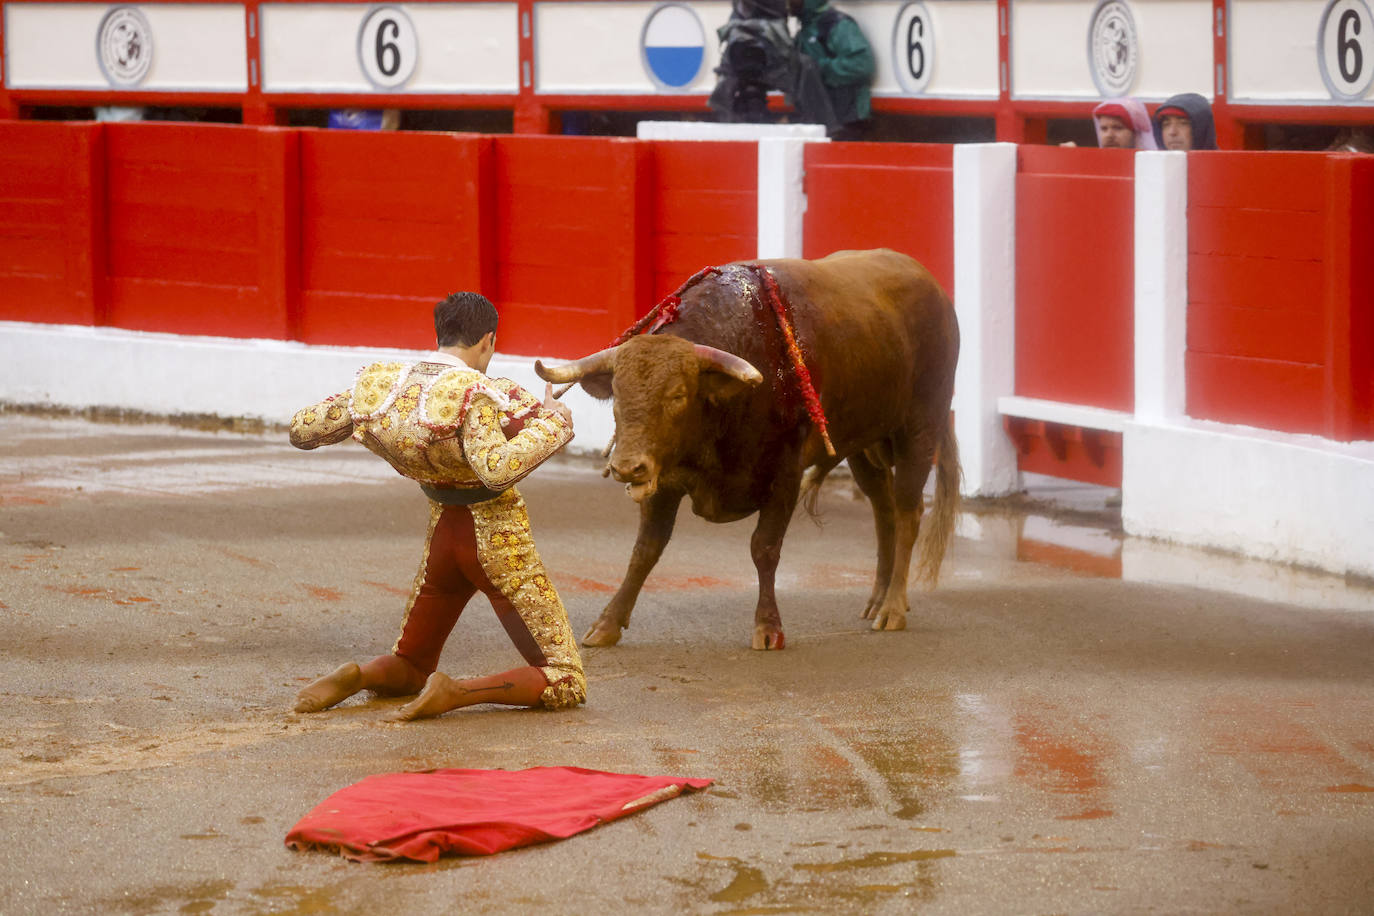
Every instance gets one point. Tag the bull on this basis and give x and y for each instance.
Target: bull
(709, 407)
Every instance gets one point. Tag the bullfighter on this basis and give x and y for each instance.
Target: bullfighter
(466, 438)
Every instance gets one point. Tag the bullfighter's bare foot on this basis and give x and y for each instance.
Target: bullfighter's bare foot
(333, 688)
(441, 694)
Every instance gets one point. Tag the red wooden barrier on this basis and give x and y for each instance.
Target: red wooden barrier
(390, 224)
(888, 195)
(572, 242)
(51, 220)
(1279, 291)
(705, 209)
(1075, 276)
(198, 237)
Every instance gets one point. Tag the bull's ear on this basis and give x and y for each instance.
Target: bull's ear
(717, 387)
(598, 384)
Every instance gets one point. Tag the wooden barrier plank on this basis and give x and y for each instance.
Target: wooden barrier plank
(1283, 234)
(1287, 335)
(1254, 282)
(1264, 393)
(1075, 285)
(898, 196)
(1270, 181)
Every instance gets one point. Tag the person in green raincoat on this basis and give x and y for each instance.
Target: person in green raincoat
(834, 40)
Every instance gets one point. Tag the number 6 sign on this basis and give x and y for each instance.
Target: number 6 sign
(1345, 48)
(387, 47)
(913, 47)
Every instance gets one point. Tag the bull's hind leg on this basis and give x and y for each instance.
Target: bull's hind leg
(875, 482)
(657, 515)
(912, 457)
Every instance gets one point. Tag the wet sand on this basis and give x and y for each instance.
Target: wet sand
(1050, 734)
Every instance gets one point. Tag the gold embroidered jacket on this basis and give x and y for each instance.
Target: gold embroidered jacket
(440, 424)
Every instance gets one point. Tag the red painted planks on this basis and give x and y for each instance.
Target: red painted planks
(1269, 180)
(900, 198)
(1272, 334)
(1075, 276)
(1264, 393)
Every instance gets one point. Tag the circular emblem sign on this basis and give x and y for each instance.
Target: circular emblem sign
(124, 46)
(1113, 48)
(388, 48)
(672, 45)
(1345, 43)
(913, 47)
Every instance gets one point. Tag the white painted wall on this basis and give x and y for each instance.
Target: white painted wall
(985, 280)
(1294, 499)
(1273, 51)
(196, 47)
(77, 367)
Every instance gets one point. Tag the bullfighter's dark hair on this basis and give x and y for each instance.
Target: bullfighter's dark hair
(463, 319)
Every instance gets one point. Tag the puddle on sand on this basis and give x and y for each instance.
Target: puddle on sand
(747, 882)
(876, 860)
(296, 900)
(192, 898)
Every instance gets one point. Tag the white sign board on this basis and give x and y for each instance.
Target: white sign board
(458, 48)
(163, 47)
(1076, 49)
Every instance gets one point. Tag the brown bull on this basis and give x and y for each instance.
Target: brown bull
(709, 407)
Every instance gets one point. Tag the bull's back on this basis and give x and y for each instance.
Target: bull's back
(880, 335)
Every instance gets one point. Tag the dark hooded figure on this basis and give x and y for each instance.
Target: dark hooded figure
(838, 46)
(1184, 122)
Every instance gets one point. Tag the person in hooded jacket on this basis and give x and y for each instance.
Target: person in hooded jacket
(845, 59)
(1123, 124)
(1184, 122)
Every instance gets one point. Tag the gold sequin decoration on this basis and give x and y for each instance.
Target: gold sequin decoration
(508, 556)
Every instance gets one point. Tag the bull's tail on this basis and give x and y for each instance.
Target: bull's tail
(938, 528)
(811, 491)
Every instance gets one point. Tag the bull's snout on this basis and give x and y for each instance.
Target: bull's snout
(630, 470)
(637, 472)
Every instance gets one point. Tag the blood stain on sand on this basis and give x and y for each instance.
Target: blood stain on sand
(389, 589)
(324, 593)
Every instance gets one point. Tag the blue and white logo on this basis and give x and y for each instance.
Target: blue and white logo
(673, 45)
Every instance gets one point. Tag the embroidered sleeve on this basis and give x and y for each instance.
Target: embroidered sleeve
(322, 424)
(499, 462)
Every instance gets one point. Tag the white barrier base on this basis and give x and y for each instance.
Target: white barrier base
(1271, 496)
(78, 367)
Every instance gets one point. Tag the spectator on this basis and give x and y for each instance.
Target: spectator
(365, 119)
(1184, 122)
(1123, 124)
(845, 60)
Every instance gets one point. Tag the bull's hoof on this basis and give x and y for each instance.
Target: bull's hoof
(768, 638)
(890, 619)
(602, 634)
(871, 609)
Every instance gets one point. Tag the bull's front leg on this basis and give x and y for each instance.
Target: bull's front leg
(766, 547)
(657, 515)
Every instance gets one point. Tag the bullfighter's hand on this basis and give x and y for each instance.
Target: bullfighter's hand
(557, 406)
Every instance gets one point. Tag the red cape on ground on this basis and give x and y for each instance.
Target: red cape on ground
(422, 816)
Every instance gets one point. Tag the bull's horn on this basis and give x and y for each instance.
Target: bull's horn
(602, 361)
(729, 363)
